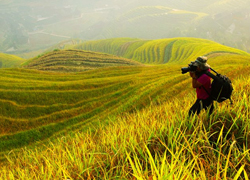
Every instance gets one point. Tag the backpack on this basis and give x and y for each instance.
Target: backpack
(221, 87)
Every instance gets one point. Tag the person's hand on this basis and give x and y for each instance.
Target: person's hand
(192, 74)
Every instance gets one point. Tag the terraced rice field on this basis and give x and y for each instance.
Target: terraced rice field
(173, 50)
(76, 61)
(36, 105)
(39, 108)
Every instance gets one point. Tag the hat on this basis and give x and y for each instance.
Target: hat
(201, 61)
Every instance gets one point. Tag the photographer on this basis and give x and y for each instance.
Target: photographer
(202, 83)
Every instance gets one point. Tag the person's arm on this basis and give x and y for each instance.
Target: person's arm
(195, 83)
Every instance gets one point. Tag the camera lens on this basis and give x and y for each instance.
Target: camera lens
(185, 70)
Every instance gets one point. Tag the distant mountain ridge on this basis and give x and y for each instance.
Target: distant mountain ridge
(28, 25)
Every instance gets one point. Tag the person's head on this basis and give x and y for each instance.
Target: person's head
(201, 63)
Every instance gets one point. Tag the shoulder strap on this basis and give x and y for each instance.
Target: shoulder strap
(214, 71)
(205, 90)
(211, 74)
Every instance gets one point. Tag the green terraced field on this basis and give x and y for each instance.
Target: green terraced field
(76, 60)
(36, 105)
(181, 50)
(54, 114)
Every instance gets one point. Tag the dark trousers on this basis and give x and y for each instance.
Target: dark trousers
(200, 104)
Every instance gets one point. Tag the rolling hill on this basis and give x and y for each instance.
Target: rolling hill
(76, 61)
(9, 61)
(160, 51)
(124, 122)
(36, 105)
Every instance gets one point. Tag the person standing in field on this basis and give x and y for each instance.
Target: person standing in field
(202, 83)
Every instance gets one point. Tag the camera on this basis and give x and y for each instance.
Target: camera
(191, 67)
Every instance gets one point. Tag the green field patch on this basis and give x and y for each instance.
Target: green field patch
(10, 61)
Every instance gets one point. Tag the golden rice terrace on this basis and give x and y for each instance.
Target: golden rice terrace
(76, 61)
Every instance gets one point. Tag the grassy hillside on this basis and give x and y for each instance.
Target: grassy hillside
(125, 122)
(36, 105)
(8, 61)
(161, 51)
(154, 141)
(75, 61)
